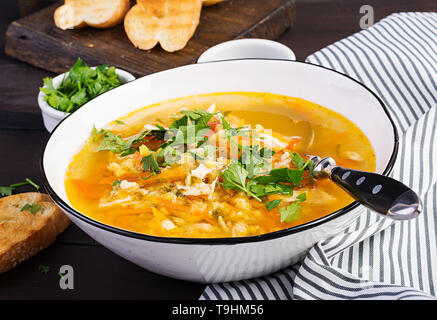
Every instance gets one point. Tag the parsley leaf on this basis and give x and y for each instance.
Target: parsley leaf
(133, 144)
(302, 164)
(112, 142)
(198, 115)
(232, 132)
(297, 160)
(150, 164)
(285, 175)
(273, 204)
(291, 212)
(80, 85)
(190, 129)
(7, 190)
(234, 178)
(117, 144)
(43, 269)
(302, 196)
(198, 118)
(266, 153)
(234, 175)
(33, 208)
(115, 185)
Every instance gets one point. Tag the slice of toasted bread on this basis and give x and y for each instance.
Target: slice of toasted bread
(23, 233)
(170, 22)
(211, 2)
(95, 13)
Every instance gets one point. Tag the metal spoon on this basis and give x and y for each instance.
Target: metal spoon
(382, 194)
(306, 131)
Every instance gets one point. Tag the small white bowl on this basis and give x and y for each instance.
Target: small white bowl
(247, 49)
(51, 117)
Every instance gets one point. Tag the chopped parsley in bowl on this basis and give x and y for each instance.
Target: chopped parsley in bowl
(67, 92)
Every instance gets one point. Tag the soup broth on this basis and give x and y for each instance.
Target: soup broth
(215, 165)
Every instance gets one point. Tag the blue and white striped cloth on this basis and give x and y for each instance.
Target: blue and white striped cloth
(376, 258)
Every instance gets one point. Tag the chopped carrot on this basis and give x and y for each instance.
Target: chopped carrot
(293, 143)
(205, 216)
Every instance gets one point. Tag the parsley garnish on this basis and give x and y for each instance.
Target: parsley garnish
(302, 197)
(190, 129)
(7, 190)
(198, 115)
(115, 185)
(142, 178)
(302, 164)
(250, 171)
(234, 177)
(81, 85)
(111, 142)
(293, 211)
(248, 174)
(252, 158)
(150, 164)
(117, 144)
(33, 208)
(273, 204)
(286, 175)
(43, 269)
(263, 190)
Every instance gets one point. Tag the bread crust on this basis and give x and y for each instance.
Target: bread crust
(22, 233)
(170, 22)
(75, 14)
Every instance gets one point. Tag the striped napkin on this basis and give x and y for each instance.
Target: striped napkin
(376, 258)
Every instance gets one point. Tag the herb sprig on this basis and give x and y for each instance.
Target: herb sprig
(293, 211)
(234, 178)
(81, 85)
(250, 172)
(150, 164)
(33, 208)
(8, 190)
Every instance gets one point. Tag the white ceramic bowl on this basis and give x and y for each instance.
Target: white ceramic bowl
(220, 259)
(51, 117)
(247, 49)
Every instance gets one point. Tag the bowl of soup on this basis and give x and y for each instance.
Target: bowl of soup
(201, 172)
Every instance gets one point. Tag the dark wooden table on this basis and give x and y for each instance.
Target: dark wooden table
(98, 273)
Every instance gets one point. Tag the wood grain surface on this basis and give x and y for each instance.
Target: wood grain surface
(35, 37)
(99, 273)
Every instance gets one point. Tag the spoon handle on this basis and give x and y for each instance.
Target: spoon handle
(380, 193)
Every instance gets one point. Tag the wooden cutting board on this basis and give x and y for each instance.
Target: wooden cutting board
(36, 40)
